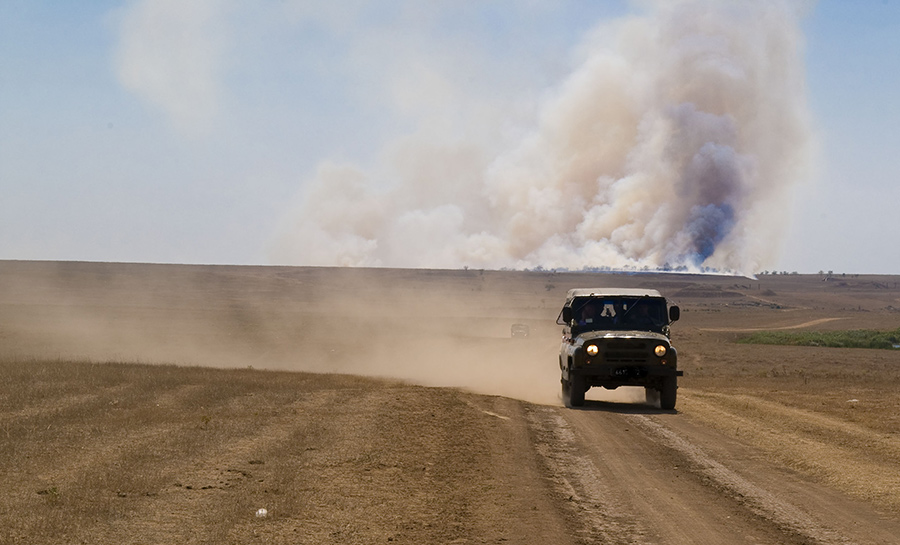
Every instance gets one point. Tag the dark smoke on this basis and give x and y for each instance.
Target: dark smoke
(708, 225)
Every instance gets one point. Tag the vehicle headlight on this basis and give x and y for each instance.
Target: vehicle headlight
(660, 350)
(592, 350)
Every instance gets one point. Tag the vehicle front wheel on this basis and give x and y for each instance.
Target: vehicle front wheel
(576, 392)
(668, 393)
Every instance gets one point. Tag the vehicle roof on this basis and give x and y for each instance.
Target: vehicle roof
(610, 292)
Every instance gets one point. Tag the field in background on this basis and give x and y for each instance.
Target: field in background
(91, 437)
(445, 328)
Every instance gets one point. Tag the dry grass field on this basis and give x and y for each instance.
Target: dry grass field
(167, 403)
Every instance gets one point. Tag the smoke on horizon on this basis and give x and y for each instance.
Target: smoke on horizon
(674, 141)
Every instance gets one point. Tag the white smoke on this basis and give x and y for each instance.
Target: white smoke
(673, 142)
(171, 54)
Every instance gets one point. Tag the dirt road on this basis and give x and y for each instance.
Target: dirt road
(642, 476)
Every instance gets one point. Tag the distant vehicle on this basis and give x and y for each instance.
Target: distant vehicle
(618, 337)
(519, 331)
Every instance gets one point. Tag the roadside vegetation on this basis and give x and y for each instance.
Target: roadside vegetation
(857, 338)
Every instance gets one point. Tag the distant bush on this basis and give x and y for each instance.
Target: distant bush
(858, 338)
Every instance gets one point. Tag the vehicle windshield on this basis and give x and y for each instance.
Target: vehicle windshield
(619, 313)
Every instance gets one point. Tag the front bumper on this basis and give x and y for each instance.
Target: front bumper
(615, 375)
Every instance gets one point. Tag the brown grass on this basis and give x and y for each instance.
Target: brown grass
(83, 443)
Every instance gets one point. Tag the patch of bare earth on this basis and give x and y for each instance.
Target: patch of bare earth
(193, 457)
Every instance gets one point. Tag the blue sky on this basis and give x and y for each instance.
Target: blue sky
(146, 132)
(847, 215)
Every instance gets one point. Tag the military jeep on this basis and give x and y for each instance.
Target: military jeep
(618, 337)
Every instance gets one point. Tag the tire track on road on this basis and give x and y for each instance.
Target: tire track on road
(593, 514)
(859, 461)
(631, 474)
(762, 502)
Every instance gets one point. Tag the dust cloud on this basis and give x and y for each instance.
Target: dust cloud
(433, 328)
(673, 143)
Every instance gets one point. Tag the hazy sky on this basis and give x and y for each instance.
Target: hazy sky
(168, 131)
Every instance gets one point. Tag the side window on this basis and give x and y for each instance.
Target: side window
(565, 316)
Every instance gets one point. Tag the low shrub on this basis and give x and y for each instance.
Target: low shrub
(857, 338)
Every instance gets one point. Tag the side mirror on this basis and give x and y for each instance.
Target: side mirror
(674, 313)
(567, 314)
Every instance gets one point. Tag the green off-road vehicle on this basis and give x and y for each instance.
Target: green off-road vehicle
(618, 337)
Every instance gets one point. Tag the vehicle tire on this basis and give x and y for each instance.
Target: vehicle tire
(576, 391)
(565, 390)
(668, 393)
(651, 395)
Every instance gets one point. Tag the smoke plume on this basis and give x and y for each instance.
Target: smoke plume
(672, 143)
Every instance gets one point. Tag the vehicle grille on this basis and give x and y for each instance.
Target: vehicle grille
(636, 351)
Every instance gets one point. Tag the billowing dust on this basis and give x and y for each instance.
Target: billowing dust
(435, 328)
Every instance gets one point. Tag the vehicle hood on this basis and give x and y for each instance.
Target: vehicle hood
(627, 334)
